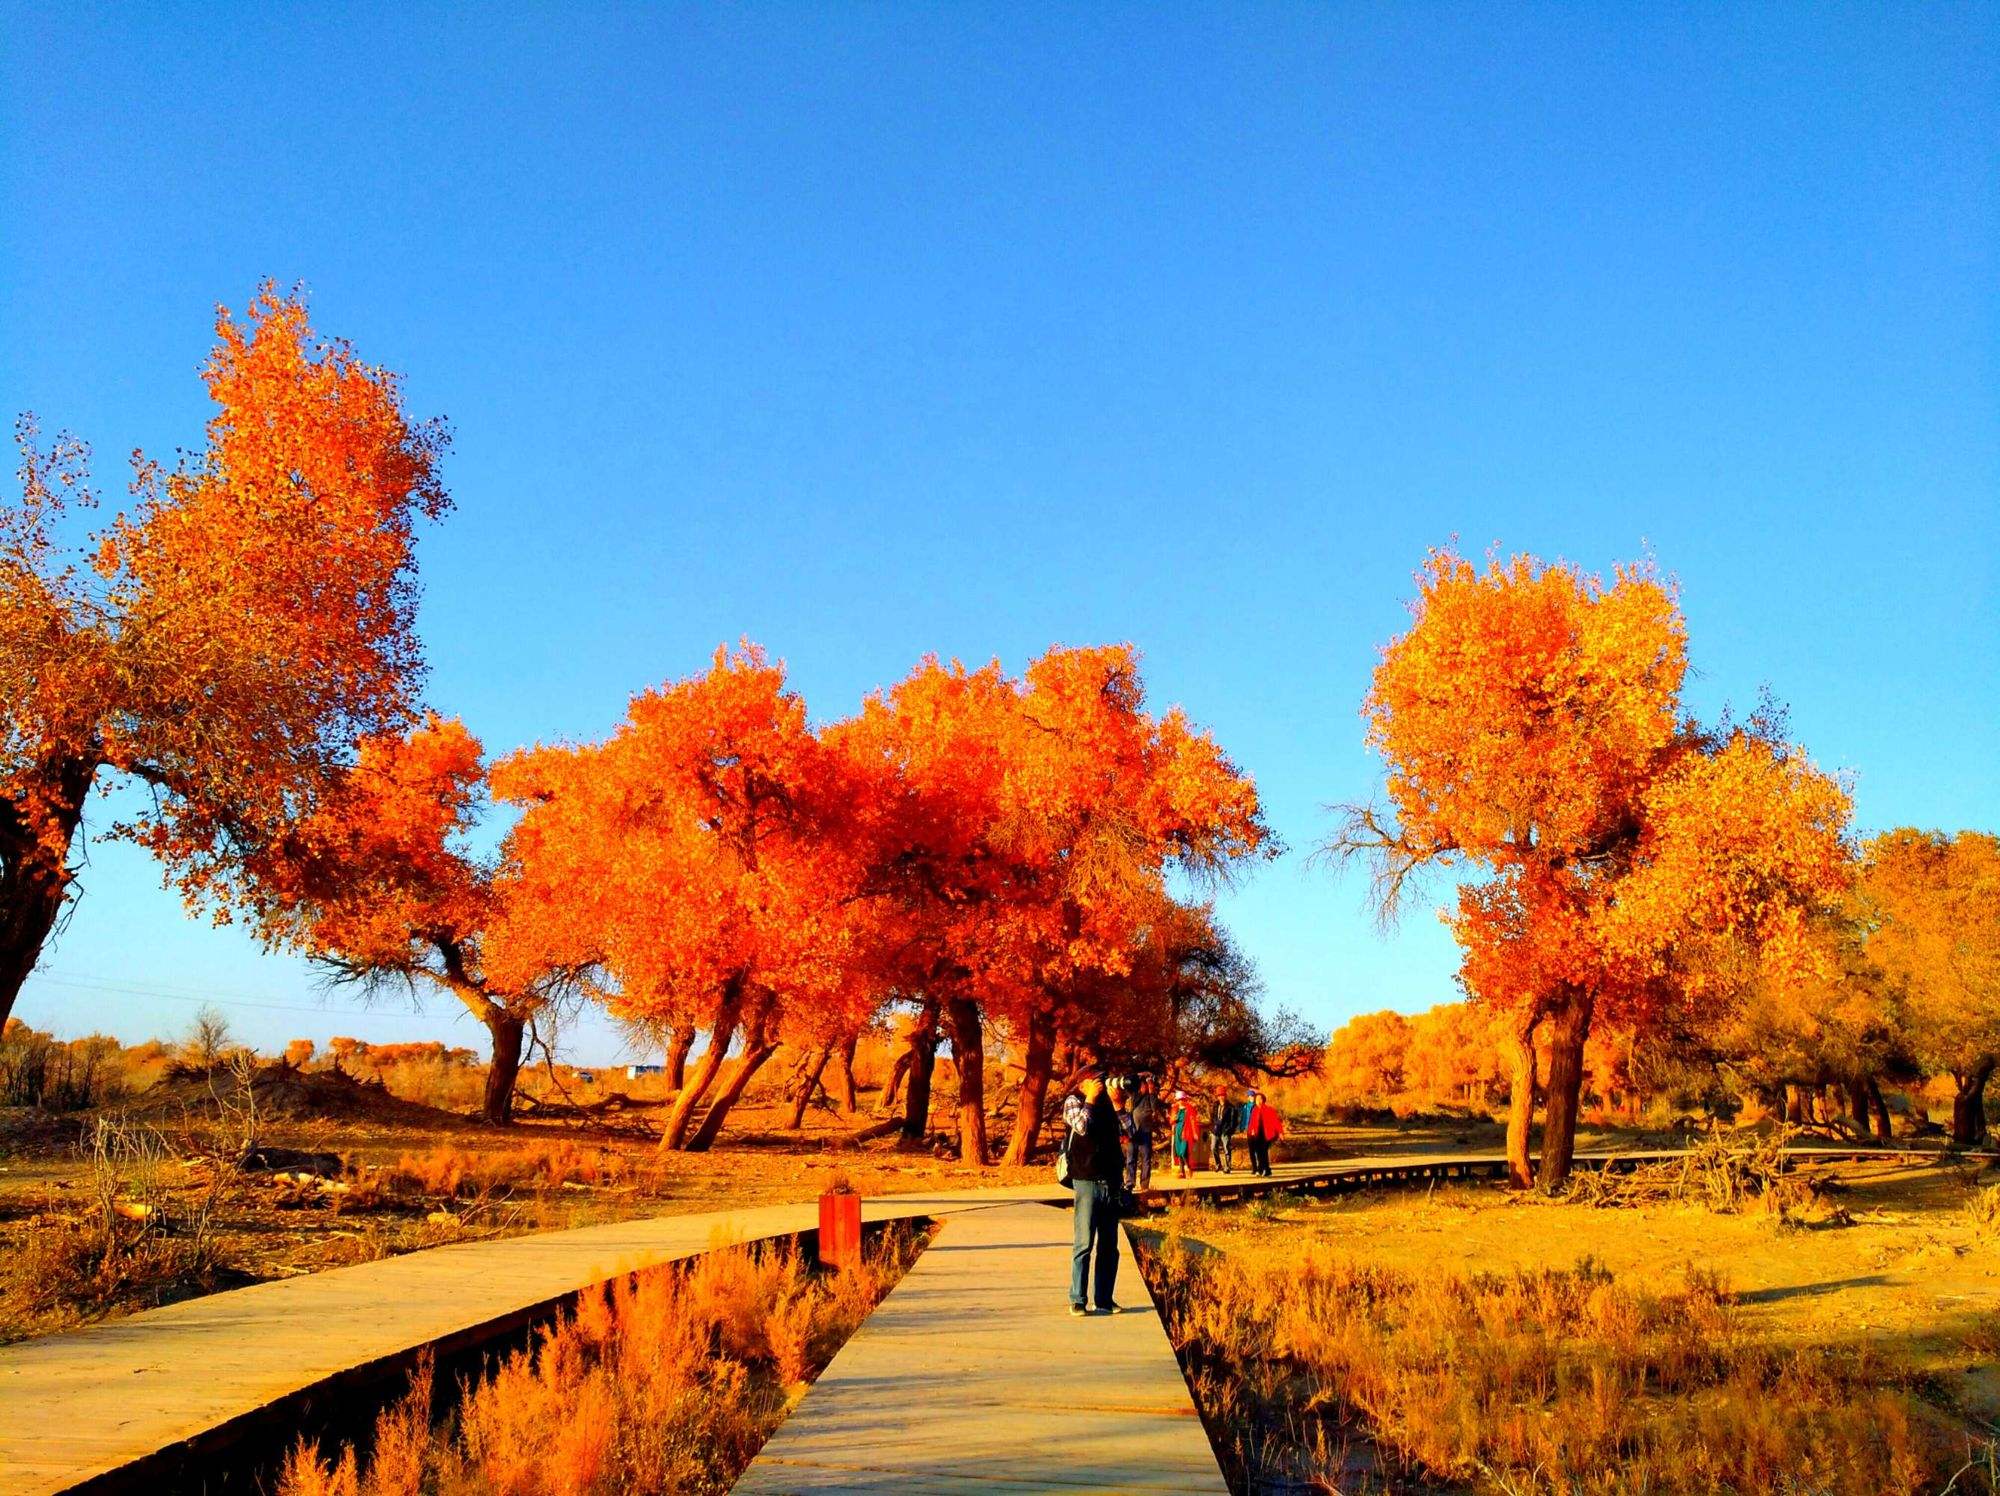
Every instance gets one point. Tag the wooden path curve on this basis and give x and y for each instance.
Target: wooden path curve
(137, 1403)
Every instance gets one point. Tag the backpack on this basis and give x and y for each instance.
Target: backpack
(1062, 1156)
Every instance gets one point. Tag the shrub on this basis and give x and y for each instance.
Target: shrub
(134, 1239)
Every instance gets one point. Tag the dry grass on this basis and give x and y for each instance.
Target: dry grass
(454, 1170)
(667, 1383)
(1552, 1380)
(132, 1239)
(1982, 1209)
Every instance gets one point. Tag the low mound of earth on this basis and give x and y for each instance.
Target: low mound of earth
(279, 1091)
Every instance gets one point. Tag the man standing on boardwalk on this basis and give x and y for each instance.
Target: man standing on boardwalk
(1096, 1175)
(1222, 1128)
(1145, 1118)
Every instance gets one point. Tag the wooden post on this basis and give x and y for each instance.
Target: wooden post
(840, 1231)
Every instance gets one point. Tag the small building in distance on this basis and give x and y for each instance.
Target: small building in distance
(633, 1072)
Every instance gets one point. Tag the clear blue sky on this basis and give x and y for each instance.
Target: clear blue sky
(867, 331)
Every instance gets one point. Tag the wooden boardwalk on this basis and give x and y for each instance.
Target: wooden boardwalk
(972, 1377)
(136, 1403)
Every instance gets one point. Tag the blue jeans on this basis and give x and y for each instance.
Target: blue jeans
(1139, 1161)
(1096, 1225)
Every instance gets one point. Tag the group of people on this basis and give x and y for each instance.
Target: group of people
(1216, 1128)
(1109, 1131)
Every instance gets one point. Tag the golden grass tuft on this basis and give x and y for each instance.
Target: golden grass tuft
(455, 1171)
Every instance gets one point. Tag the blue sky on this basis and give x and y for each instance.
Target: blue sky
(871, 331)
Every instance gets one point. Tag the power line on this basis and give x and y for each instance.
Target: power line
(108, 987)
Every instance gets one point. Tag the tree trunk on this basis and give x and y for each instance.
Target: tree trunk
(1880, 1109)
(1569, 1031)
(923, 1057)
(1968, 1107)
(1857, 1105)
(34, 875)
(508, 1031)
(758, 1047)
(968, 1047)
(892, 1088)
(677, 1055)
(1035, 1068)
(808, 1083)
(1520, 1050)
(846, 1099)
(1795, 1104)
(720, 1034)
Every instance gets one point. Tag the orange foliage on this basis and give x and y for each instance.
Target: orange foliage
(1020, 833)
(1530, 721)
(1932, 907)
(1366, 1056)
(698, 856)
(233, 637)
(379, 882)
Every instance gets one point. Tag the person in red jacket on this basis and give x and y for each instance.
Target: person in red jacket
(1265, 1128)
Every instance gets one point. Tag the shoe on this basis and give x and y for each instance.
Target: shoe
(1107, 1308)
(1077, 1311)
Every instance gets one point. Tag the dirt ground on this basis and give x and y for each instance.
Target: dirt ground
(408, 1179)
(1900, 1259)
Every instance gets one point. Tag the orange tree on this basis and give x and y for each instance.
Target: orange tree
(933, 766)
(1187, 1003)
(1530, 719)
(1366, 1057)
(1836, 1020)
(380, 884)
(699, 859)
(229, 640)
(1932, 913)
(1020, 832)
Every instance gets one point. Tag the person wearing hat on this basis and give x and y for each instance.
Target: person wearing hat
(1096, 1177)
(1186, 1134)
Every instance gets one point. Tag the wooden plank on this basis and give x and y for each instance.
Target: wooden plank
(973, 1377)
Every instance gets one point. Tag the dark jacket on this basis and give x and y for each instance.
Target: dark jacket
(1145, 1116)
(1095, 1153)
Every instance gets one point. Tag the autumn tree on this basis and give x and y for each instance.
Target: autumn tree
(381, 885)
(227, 642)
(1531, 722)
(1932, 907)
(1452, 1054)
(1365, 1056)
(1021, 832)
(1835, 1020)
(1188, 1000)
(699, 858)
